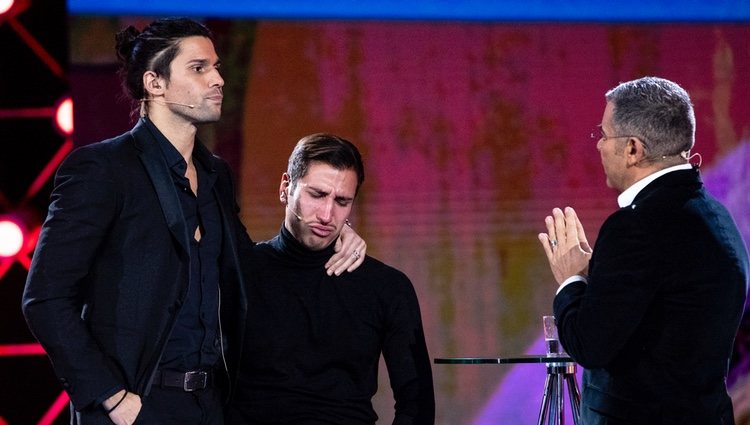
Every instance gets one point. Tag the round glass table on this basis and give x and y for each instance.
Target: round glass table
(561, 370)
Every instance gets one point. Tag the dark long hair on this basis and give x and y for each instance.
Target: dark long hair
(152, 49)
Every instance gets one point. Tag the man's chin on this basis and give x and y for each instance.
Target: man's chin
(212, 119)
(209, 118)
(316, 243)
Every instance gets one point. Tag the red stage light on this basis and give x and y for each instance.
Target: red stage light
(64, 116)
(11, 237)
(11, 8)
(5, 5)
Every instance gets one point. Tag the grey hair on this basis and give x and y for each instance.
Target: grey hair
(656, 110)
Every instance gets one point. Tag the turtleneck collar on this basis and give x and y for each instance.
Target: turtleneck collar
(290, 249)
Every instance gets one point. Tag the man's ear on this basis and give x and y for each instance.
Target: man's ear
(635, 150)
(153, 84)
(284, 188)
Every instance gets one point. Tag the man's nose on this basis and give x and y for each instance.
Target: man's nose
(325, 212)
(216, 80)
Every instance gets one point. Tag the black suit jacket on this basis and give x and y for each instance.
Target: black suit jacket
(655, 324)
(110, 271)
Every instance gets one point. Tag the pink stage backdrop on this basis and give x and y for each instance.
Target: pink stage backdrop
(471, 134)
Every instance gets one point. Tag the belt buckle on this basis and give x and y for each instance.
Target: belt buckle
(195, 380)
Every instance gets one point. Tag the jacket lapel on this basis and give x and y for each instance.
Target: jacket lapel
(158, 172)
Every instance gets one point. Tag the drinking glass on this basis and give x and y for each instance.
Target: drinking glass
(551, 340)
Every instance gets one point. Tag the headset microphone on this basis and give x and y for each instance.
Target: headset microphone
(294, 213)
(163, 102)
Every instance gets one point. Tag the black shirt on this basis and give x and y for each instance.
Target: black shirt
(194, 341)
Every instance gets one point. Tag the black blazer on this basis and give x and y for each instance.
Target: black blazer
(110, 270)
(655, 324)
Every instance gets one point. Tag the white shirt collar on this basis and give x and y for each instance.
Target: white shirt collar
(626, 198)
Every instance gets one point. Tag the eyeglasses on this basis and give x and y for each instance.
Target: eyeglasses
(598, 134)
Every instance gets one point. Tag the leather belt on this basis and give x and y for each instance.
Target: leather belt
(185, 381)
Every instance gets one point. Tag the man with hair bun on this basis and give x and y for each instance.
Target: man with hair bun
(134, 289)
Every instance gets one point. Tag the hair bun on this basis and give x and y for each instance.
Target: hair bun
(125, 42)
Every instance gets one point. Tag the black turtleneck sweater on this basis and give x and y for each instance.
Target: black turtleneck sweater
(313, 341)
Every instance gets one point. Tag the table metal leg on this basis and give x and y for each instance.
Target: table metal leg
(575, 397)
(559, 399)
(546, 399)
(552, 411)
